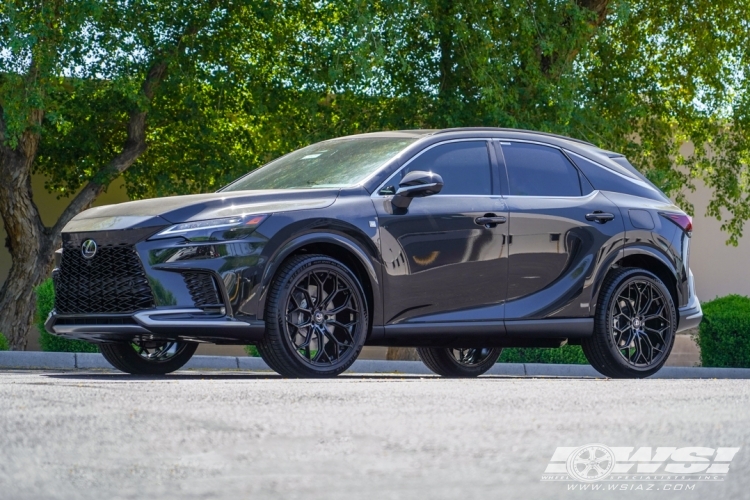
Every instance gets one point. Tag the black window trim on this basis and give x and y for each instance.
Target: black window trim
(638, 182)
(504, 169)
(495, 170)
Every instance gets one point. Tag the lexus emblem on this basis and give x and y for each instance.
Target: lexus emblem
(88, 249)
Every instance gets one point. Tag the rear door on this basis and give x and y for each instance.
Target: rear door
(441, 263)
(561, 231)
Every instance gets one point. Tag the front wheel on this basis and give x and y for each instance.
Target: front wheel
(634, 325)
(316, 318)
(148, 357)
(469, 362)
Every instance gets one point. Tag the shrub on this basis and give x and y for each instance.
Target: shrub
(3, 342)
(252, 351)
(724, 334)
(566, 355)
(45, 302)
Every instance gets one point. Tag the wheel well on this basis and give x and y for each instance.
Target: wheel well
(348, 259)
(654, 265)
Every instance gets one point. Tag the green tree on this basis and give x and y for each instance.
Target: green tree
(184, 96)
(80, 82)
(639, 77)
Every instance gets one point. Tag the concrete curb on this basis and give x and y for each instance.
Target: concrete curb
(20, 360)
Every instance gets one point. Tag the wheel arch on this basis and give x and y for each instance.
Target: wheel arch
(340, 247)
(650, 260)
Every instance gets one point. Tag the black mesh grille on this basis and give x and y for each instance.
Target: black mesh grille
(113, 281)
(202, 288)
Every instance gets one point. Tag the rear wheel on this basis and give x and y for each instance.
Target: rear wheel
(148, 357)
(634, 325)
(316, 318)
(468, 362)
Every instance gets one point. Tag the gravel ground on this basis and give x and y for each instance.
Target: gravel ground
(241, 435)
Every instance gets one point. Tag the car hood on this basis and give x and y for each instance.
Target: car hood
(176, 209)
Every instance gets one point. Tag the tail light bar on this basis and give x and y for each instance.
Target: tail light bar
(684, 221)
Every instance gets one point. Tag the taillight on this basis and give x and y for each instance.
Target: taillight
(682, 220)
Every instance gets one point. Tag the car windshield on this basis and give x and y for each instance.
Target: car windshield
(335, 163)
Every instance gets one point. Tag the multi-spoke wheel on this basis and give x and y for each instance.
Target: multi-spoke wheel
(635, 325)
(148, 357)
(316, 318)
(467, 362)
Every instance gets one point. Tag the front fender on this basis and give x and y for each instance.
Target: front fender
(367, 257)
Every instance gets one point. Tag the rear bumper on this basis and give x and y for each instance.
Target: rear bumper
(692, 314)
(171, 324)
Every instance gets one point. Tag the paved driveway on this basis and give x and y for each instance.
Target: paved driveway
(106, 435)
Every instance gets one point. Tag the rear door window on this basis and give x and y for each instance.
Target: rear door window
(536, 170)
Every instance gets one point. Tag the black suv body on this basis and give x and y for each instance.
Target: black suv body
(459, 242)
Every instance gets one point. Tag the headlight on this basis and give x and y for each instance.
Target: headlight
(228, 228)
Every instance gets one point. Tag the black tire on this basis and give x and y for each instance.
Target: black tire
(635, 350)
(292, 348)
(446, 362)
(129, 357)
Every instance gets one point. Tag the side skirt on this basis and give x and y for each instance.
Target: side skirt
(512, 333)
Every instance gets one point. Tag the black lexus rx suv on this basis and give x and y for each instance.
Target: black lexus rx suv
(458, 242)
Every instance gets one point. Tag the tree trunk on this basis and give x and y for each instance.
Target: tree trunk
(30, 247)
(17, 299)
(30, 243)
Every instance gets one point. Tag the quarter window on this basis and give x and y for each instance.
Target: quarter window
(535, 170)
(464, 167)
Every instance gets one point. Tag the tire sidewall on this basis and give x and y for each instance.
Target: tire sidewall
(279, 315)
(604, 318)
(127, 359)
(441, 361)
(472, 370)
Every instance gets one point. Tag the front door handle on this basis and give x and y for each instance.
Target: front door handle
(490, 220)
(600, 217)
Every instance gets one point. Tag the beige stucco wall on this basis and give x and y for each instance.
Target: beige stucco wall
(719, 269)
(50, 209)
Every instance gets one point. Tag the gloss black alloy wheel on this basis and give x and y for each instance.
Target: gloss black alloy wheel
(148, 357)
(635, 325)
(316, 318)
(457, 362)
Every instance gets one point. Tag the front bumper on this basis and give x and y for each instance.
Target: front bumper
(691, 315)
(168, 324)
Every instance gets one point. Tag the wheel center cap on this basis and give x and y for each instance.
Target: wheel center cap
(637, 323)
(318, 317)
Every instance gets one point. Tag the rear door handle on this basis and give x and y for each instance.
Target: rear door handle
(600, 217)
(490, 220)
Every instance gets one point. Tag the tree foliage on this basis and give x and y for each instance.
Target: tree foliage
(182, 97)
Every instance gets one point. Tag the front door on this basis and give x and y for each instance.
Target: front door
(442, 264)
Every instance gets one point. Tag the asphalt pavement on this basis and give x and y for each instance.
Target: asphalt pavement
(201, 435)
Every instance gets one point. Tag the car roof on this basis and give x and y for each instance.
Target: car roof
(603, 156)
(419, 133)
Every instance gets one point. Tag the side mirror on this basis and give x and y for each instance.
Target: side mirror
(417, 184)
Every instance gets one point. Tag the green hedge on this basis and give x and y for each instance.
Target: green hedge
(3, 343)
(45, 302)
(565, 355)
(252, 351)
(724, 334)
